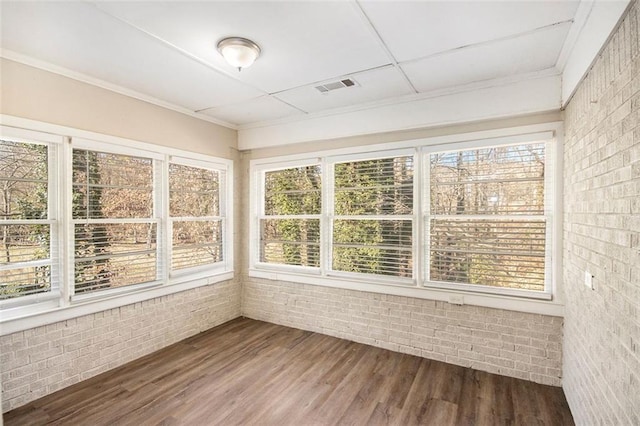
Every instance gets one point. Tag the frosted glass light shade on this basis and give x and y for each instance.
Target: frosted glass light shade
(239, 52)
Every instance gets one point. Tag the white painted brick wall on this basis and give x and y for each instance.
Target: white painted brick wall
(36, 362)
(515, 344)
(601, 374)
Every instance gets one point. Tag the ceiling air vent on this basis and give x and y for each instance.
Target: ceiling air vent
(335, 85)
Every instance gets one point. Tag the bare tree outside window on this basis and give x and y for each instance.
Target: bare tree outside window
(25, 264)
(487, 222)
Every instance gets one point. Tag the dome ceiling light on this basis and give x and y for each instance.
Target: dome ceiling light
(239, 52)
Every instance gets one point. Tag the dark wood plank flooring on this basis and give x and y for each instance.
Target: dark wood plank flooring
(249, 372)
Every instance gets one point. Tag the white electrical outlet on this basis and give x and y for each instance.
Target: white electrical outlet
(588, 280)
(456, 300)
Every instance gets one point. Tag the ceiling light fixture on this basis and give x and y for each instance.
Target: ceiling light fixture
(238, 52)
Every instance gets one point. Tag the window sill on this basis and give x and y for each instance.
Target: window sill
(512, 303)
(24, 318)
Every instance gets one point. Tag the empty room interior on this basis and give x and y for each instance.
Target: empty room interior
(320, 212)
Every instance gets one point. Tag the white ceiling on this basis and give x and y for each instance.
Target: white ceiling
(392, 49)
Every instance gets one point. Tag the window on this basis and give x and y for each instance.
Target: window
(373, 222)
(87, 225)
(487, 223)
(290, 220)
(469, 216)
(194, 211)
(27, 216)
(115, 231)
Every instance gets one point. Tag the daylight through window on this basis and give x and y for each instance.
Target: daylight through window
(476, 218)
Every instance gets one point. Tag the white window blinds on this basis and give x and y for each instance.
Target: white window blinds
(487, 223)
(373, 216)
(195, 216)
(115, 232)
(290, 223)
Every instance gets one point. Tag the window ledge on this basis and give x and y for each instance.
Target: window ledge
(20, 319)
(511, 303)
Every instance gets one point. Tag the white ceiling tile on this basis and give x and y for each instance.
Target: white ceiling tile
(301, 42)
(254, 110)
(373, 85)
(415, 29)
(80, 37)
(532, 52)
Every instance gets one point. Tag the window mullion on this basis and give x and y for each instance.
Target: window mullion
(161, 213)
(66, 225)
(326, 224)
(425, 215)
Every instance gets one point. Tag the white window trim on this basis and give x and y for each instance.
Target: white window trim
(547, 294)
(42, 309)
(550, 302)
(329, 209)
(258, 207)
(224, 192)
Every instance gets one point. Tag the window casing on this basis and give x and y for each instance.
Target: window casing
(115, 225)
(372, 216)
(100, 235)
(196, 219)
(29, 231)
(289, 219)
(469, 217)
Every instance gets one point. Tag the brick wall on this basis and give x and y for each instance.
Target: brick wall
(526, 346)
(36, 362)
(601, 374)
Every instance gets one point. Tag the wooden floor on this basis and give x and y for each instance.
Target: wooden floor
(251, 372)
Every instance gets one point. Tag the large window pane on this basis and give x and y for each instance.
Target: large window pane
(381, 186)
(193, 191)
(491, 252)
(114, 255)
(196, 243)
(502, 180)
(293, 191)
(382, 247)
(290, 241)
(23, 181)
(111, 185)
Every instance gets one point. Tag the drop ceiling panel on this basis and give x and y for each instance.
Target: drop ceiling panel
(415, 29)
(302, 42)
(80, 37)
(373, 85)
(531, 52)
(254, 110)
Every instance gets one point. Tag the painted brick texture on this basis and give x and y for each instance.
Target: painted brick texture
(601, 373)
(39, 361)
(515, 344)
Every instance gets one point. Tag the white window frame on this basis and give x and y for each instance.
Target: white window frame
(54, 145)
(329, 214)
(225, 202)
(156, 217)
(550, 301)
(547, 294)
(26, 312)
(257, 205)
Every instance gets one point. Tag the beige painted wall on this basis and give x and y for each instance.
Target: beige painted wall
(39, 361)
(32, 93)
